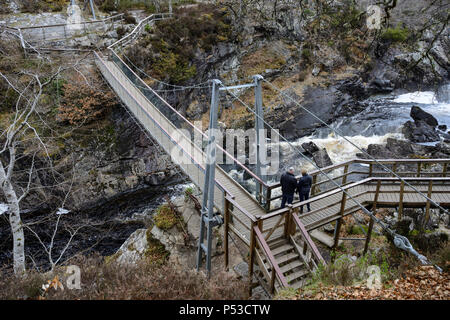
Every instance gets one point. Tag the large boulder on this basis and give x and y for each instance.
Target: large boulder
(310, 148)
(322, 159)
(393, 149)
(420, 131)
(418, 114)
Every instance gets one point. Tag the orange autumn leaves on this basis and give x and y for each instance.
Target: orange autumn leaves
(422, 283)
(84, 101)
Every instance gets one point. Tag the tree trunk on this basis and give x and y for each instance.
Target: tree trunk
(15, 221)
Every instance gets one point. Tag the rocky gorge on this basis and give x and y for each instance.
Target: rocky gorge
(121, 175)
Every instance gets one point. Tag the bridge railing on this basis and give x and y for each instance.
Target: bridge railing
(133, 35)
(191, 160)
(187, 128)
(385, 192)
(357, 169)
(62, 31)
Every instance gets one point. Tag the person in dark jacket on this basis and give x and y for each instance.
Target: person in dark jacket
(304, 187)
(288, 185)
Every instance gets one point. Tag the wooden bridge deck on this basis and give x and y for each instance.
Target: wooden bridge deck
(186, 154)
(325, 207)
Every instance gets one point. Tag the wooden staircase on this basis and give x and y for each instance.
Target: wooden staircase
(289, 260)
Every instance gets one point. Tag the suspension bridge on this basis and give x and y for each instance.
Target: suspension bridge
(281, 250)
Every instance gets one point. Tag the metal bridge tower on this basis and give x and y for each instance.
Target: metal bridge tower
(208, 219)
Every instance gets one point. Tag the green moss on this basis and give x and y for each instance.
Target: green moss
(174, 43)
(112, 258)
(156, 252)
(187, 192)
(396, 34)
(165, 218)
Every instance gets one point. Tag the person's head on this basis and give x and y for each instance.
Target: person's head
(291, 170)
(304, 172)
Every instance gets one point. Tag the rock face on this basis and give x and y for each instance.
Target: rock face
(310, 148)
(322, 159)
(134, 249)
(418, 114)
(423, 129)
(419, 131)
(320, 156)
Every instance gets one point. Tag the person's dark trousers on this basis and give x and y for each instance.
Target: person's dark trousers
(303, 197)
(286, 198)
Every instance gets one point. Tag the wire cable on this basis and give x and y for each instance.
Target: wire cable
(400, 241)
(357, 147)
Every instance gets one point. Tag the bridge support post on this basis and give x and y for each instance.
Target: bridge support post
(337, 230)
(260, 137)
(208, 219)
(427, 208)
(374, 211)
(92, 9)
(251, 259)
(225, 232)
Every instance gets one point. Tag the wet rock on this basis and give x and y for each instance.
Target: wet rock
(293, 121)
(355, 87)
(420, 131)
(393, 149)
(430, 242)
(133, 249)
(310, 148)
(322, 159)
(442, 127)
(404, 226)
(399, 147)
(418, 114)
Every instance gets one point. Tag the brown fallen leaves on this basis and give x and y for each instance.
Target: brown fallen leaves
(422, 283)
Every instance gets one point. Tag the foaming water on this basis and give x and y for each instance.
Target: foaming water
(383, 119)
(341, 150)
(422, 97)
(429, 102)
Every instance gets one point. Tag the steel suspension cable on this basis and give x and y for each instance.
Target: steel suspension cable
(399, 240)
(357, 147)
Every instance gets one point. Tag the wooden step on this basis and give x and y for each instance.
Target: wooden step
(286, 258)
(281, 249)
(275, 243)
(296, 275)
(290, 266)
(298, 284)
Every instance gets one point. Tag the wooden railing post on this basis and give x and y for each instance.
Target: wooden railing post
(251, 259)
(272, 280)
(268, 196)
(287, 222)
(374, 211)
(344, 178)
(314, 181)
(444, 170)
(370, 169)
(419, 168)
(427, 208)
(400, 202)
(226, 230)
(340, 220)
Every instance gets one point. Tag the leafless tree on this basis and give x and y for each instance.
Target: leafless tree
(22, 133)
